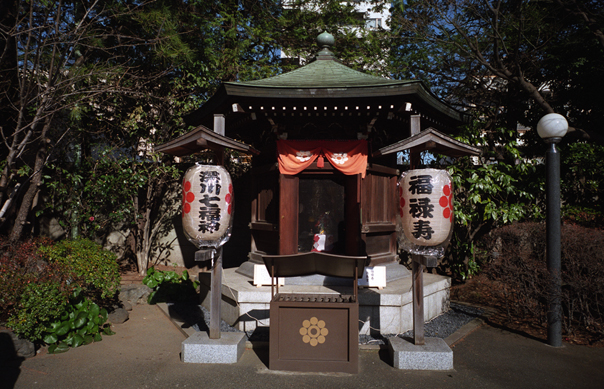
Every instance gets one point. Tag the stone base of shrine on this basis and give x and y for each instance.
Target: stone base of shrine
(381, 311)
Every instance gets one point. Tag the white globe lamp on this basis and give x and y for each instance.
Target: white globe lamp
(552, 126)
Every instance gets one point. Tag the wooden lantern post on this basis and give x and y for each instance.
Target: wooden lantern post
(428, 139)
(197, 140)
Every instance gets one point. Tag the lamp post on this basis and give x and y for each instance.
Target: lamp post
(552, 127)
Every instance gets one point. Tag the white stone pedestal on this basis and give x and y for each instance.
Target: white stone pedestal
(434, 355)
(199, 348)
(386, 311)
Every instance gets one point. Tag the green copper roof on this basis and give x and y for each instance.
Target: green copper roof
(325, 72)
(325, 81)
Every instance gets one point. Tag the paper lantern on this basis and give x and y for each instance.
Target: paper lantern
(207, 205)
(425, 210)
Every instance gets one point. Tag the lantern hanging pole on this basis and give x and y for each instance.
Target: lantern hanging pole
(216, 295)
(216, 288)
(418, 300)
(417, 268)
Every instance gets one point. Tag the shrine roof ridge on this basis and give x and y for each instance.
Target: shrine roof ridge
(324, 79)
(323, 74)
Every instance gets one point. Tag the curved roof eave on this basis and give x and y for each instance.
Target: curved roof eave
(325, 78)
(231, 92)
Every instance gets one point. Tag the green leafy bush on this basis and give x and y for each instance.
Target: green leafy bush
(21, 268)
(582, 184)
(500, 189)
(41, 303)
(46, 291)
(95, 270)
(169, 286)
(82, 322)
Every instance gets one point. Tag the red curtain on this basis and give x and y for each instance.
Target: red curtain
(349, 157)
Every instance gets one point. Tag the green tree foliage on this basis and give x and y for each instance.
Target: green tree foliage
(582, 186)
(356, 45)
(508, 61)
(490, 193)
(71, 62)
(91, 87)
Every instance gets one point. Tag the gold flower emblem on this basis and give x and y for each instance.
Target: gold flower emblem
(313, 331)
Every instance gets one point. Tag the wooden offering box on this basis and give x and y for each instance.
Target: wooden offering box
(314, 332)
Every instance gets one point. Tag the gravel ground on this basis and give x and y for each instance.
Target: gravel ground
(442, 326)
(446, 324)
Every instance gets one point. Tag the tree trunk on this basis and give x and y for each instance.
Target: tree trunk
(144, 244)
(142, 262)
(9, 80)
(28, 198)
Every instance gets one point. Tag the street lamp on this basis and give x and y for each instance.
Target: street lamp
(552, 127)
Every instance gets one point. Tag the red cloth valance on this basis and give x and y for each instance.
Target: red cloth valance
(349, 157)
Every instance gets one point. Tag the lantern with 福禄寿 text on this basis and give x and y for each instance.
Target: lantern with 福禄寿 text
(426, 211)
(207, 205)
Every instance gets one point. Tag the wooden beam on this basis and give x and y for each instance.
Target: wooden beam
(199, 139)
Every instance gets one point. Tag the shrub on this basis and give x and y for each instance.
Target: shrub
(523, 280)
(169, 286)
(95, 270)
(46, 291)
(81, 323)
(40, 305)
(21, 265)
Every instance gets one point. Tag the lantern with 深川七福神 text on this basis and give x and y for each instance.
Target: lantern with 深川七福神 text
(207, 207)
(425, 220)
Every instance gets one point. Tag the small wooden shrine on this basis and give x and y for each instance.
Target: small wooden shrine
(324, 177)
(316, 185)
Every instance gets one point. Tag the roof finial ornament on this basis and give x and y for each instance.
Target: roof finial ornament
(325, 41)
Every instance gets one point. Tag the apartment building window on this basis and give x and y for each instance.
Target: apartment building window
(373, 23)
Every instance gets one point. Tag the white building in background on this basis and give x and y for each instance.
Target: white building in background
(373, 18)
(375, 14)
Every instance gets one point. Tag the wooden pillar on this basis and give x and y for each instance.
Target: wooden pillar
(414, 129)
(418, 300)
(353, 215)
(417, 269)
(216, 280)
(219, 124)
(216, 295)
(288, 214)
